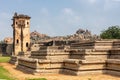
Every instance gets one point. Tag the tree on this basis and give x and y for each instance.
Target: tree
(112, 32)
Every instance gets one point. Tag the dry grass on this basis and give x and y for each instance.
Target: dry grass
(4, 74)
(23, 76)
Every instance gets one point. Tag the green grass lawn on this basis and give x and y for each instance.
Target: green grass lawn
(4, 59)
(4, 74)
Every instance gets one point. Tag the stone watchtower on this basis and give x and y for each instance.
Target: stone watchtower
(21, 33)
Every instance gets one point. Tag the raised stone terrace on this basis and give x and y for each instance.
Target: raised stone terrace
(78, 58)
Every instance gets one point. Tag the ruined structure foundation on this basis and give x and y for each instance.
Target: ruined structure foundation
(80, 58)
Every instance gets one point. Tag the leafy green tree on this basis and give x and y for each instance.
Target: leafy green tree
(112, 32)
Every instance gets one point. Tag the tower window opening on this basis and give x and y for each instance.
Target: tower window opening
(27, 44)
(27, 23)
(17, 41)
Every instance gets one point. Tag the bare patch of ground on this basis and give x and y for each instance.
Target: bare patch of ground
(22, 76)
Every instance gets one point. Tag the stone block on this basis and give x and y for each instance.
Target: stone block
(113, 61)
(73, 61)
(114, 56)
(96, 57)
(79, 73)
(112, 72)
(93, 61)
(84, 67)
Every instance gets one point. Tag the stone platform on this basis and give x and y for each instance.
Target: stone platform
(87, 57)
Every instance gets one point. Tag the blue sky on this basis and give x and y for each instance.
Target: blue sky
(61, 17)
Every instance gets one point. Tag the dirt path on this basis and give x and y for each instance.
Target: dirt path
(22, 76)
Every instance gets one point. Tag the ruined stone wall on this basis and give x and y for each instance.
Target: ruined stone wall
(9, 49)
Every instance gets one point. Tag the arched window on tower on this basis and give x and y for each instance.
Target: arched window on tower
(27, 44)
(16, 23)
(17, 41)
(27, 23)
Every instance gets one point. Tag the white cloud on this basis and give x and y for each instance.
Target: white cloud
(111, 4)
(19, 0)
(4, 15)
(66, 21)
(5, 28)
(68, 11)
(44, 11)
(117, 0)
(92, 1)
(69, 16)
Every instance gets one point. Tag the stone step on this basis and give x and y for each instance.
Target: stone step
(38, 71)
(82, 47)
(96, 57)
(50, 65)
(89, 53)
(51, 57)
(114, 56)
(113, 61)
(50, 53)
(84, 67)
(77, 56)
(79, 73)
(50, 61)
(93, 61)
(112, 72)
(72, 61)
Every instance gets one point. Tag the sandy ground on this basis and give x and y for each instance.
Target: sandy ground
(22, 76)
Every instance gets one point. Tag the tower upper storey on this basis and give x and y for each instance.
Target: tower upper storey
(16, 16)
(21, 20)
